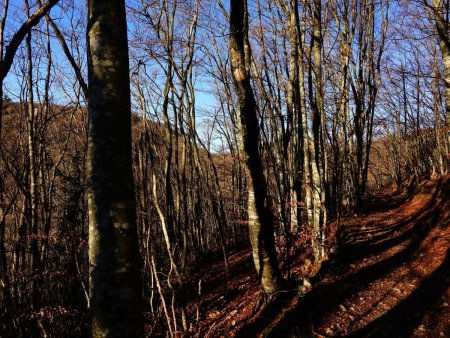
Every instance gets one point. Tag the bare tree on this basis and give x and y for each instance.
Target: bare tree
(440, 10)
(11, 49)
(115, 278)
(260, 217)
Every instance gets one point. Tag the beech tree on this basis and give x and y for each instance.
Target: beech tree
(115, 283)
(7, 56)
(260, 217)
(268, 144)
(318, 157)
(441, 10)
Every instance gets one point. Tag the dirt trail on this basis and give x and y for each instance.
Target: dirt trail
(391, 278)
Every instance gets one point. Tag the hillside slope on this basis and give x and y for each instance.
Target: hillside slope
(390, 278)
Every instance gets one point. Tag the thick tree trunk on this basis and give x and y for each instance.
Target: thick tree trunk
(442, 27)
(115, 278)
(318, 156)
(294, 96)
(260, 218)
(437, 116)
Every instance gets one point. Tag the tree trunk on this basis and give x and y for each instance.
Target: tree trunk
(115, 283)
(32, 219)
(437, 116)
(442, 27)
(318, 157)
(260, 218)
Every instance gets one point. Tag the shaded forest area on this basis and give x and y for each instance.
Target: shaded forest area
(245, 168)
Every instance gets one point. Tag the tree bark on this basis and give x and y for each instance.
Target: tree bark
(318, 156)
(442, 27)
(115, 283)
(260, 218)
(437, 116)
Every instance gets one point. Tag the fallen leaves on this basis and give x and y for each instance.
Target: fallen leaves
(414, 225)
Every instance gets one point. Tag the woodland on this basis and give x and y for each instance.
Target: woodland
(225, 168)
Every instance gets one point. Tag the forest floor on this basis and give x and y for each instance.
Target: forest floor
(389, 278)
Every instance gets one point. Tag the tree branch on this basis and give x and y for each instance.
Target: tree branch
(18, 37)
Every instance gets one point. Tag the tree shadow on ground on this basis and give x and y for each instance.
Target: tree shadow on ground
(214, 280)
(402, 319)
(388, 201)
(326, 297)
(375, 204)
(389, 236)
